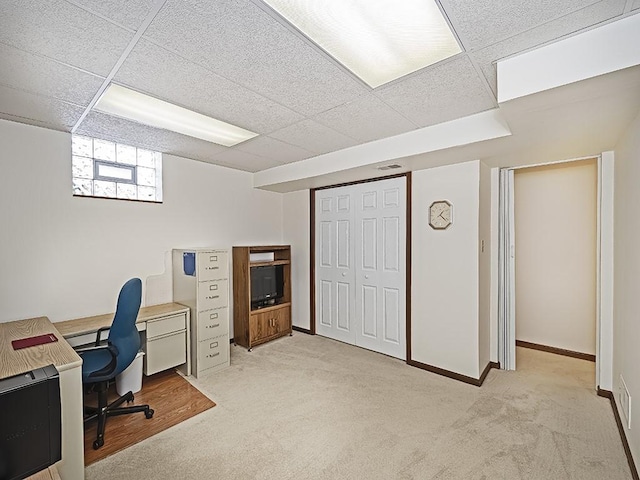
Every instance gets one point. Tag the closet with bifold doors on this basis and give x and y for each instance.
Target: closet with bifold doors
(360, 264)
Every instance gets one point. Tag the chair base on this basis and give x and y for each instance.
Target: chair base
(104, 410)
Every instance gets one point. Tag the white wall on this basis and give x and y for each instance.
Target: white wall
(66, 257)
(626, 326)
(485, 267)
(445, 271)
(296, 232)
(555, 216)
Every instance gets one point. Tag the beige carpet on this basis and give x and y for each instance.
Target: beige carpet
(307, 407)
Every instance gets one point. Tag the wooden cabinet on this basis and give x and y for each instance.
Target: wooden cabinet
(201, 281)
(255, 323)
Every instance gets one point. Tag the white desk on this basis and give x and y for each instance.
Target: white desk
(69, 365)
(165, 333)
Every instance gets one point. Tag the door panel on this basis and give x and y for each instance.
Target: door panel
(334, 265)
(369, 311)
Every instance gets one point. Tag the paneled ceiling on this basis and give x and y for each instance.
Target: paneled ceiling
(237, 61)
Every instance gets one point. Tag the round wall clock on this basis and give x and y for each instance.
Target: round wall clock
(440, 214)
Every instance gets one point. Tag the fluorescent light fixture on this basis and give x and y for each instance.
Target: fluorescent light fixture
(378, 40)
(126, 103)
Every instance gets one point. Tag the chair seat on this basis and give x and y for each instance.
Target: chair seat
(93, 362)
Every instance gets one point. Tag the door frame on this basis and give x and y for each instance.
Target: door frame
(312, 252)
(604, 266)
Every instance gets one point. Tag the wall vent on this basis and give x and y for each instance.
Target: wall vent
(624, 400)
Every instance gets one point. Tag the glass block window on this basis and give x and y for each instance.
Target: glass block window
(110, 170)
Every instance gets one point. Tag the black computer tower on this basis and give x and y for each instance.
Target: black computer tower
(30, 423)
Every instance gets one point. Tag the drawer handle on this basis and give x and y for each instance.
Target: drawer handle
(213, 316)
(214, 355)
(213, 326)
(212, 297)
(213, 287)
(213, 345)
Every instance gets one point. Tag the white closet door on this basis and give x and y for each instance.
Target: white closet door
(360, 265)
(335, 272)
(380, 242)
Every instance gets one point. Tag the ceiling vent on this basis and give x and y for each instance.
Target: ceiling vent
(393, 166)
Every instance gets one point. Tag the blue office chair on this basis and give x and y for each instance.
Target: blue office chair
(101, 363)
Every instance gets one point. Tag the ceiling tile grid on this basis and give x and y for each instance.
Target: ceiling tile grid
(63, 32)
(43, 76)
(440, 93)
(126, 13)
(274, 149)
(566, 25)
(127, 132)
(249, 47)
(366, 118)
(25, 107)
(314, 137)
(483, 22)
(163, 74)
(240, 160)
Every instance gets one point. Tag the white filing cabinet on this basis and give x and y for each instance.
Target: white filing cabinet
(201, 281)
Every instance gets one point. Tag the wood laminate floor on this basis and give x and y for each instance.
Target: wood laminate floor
(171, 397)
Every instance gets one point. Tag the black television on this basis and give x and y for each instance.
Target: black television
(266, 285)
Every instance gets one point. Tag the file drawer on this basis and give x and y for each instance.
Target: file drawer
(213, 294)
(213, 323)
(165, 352)
(213, 352)
(212, 265)
(162, 326)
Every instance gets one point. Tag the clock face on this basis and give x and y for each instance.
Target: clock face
(440, 214)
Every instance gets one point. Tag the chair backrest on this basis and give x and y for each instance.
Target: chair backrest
(123, 333)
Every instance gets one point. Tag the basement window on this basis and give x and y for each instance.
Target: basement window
(106, 169)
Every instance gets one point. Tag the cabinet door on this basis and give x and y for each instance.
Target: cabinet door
(268, 324)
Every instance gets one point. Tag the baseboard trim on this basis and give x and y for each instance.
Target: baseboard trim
(303, 330)
(477, 382)
(623, 436)
(556, 350)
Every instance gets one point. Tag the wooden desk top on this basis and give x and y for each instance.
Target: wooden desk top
(14, 362)
(82, 326)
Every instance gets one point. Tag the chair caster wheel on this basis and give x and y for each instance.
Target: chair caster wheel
(149, 413)
(130, 398)
(98, 443)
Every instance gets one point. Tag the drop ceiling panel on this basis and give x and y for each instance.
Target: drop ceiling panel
(366, 118)
(313, 136)
(64, 32)
(25, 107)
(131, 133)
(440, 93)
(128, 13)
(247, 46)
(243, 161)
(274, 149)
(586, 17)
(43, 76)
(156, 71)
(483, 22)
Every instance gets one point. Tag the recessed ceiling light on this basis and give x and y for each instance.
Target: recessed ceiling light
(136, 106)
(378, 40)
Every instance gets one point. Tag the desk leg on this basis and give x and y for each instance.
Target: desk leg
(71, 467)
